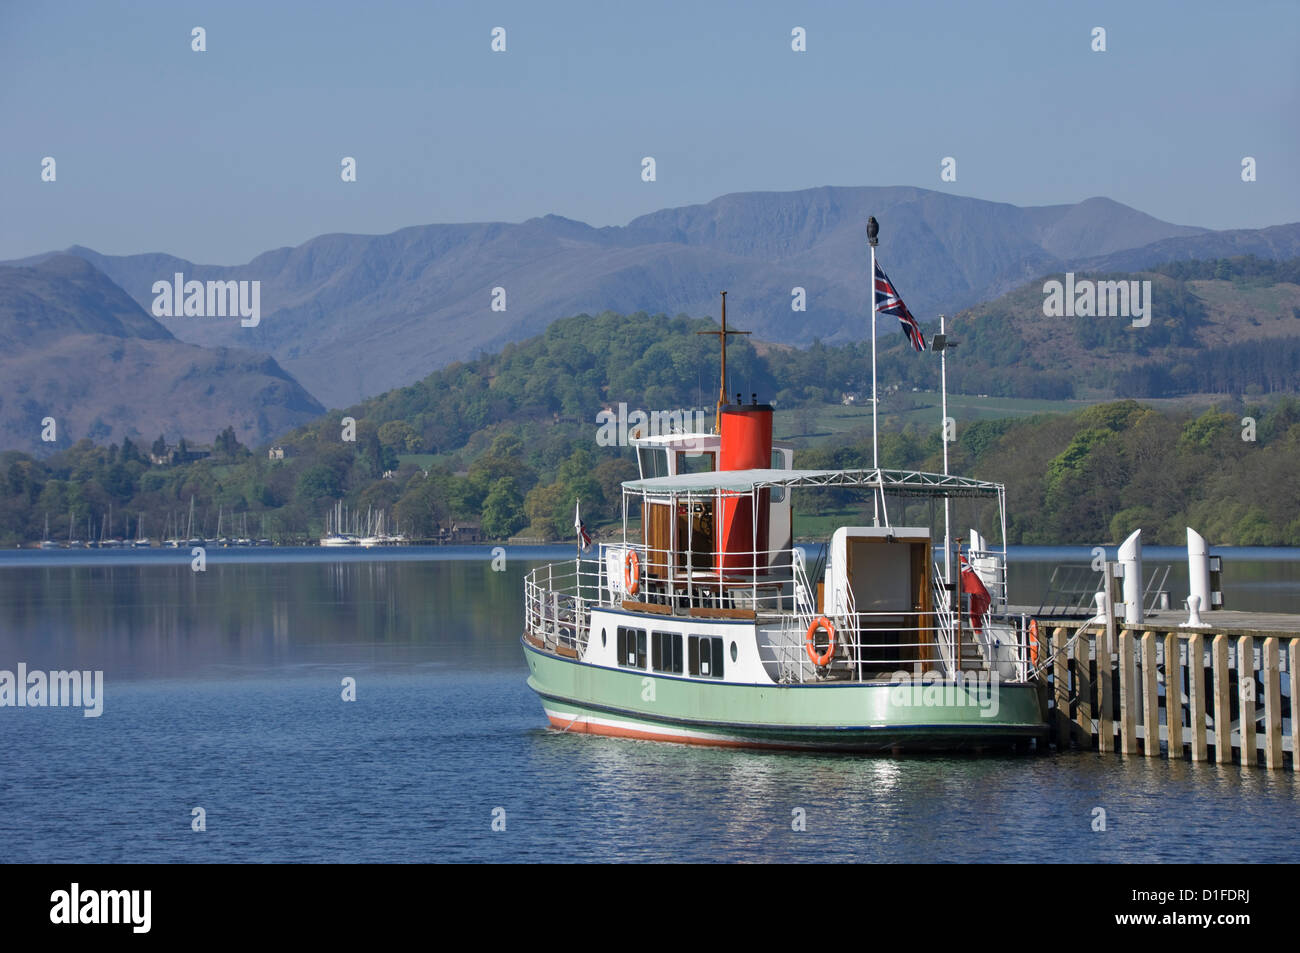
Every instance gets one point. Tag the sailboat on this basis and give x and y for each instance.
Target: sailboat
(107, 539)
(141, 540)
(171, 532)
(46, 542)
(73, 543)
(335, 536)
(191, 539)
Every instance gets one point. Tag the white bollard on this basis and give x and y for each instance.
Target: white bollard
(1130, 557)
(1198, 568)
(1100, 599)
(1193, 614)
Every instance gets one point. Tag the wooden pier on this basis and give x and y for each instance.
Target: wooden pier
(1168, 691)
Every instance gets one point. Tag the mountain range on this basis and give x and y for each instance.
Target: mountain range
(349, 316)
(76, 348)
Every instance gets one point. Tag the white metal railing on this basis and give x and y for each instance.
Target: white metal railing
(557, 602)
(994, 560)
(868, 646)
(945, 621)
(558, 599)
(760, 580)
(805, 597)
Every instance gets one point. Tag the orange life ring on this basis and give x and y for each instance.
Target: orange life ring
(1033, 641)
(821, 622)
(631, 572)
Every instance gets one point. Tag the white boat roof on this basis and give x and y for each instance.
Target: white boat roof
(912, 482)
(660, 440)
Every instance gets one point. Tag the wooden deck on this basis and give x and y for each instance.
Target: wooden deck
(1224, 621)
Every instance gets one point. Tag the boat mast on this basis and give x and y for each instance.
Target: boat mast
(722, 387)
(943, 390)
(873, 236)
(942, 344)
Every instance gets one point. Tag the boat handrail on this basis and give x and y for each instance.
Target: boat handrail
(560, 596)
(994, 559)
(863, 657)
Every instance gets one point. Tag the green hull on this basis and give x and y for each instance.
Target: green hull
(839, 716)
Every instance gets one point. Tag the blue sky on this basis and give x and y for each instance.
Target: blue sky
(218, 156)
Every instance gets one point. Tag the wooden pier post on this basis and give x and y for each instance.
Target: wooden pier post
(1105, 720)
(1196, 695)
(1222, 702)
(1247, 692)
(1083, 690)
(1293, 666)
(1270, 669)
(1173, 695)
(1150, 697)
(1061, 678)
(1127, 694)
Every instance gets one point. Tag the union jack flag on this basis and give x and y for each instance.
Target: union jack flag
(888, 302)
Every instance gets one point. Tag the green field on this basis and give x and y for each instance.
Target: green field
(831, 422)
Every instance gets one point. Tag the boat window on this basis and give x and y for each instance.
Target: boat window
(654, 462)
(698, 462)
(705, 656)
(631, 647)
(666, 652)
(778, 463)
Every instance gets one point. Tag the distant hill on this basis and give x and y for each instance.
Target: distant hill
(1225, 326)
(75, 347)
(1228, 327)
(355, 315)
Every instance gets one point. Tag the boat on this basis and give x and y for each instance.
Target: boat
(73, 543)
(192, 540)
(706, 624)
(107, 539)
(141, 541)
(339, 539)
(46, 542)
(334, 534)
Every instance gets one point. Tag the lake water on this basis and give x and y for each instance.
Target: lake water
(223, 691)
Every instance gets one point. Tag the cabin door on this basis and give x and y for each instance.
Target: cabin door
(891, 592)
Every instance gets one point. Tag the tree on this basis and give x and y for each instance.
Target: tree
(316, 485)
(423, 507)
(503, 513)
(550, 511)
(227, 445)
(401, 437)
